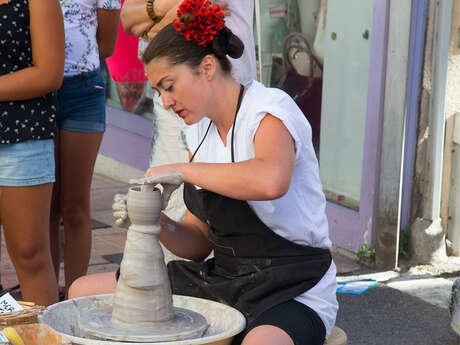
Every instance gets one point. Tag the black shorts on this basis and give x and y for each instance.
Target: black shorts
(300, 322)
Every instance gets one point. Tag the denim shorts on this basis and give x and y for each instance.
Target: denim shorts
(27, 163)
(81, 103)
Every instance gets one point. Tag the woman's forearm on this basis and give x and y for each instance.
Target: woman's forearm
(253, 179)
(29, 83)
(183, 239)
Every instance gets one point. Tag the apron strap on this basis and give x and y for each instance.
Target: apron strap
(238, 105)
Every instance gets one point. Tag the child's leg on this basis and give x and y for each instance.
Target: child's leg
(25, 216)
(78, 156)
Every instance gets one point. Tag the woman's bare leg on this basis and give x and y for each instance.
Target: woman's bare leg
(78, 153)
(93, 284)
(25, 215)
(267, 334)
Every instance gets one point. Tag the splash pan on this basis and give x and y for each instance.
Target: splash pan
(224, 321)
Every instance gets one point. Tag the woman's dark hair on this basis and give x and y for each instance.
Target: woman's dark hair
(174, 46)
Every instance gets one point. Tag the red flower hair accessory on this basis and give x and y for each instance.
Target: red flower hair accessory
(206, 21)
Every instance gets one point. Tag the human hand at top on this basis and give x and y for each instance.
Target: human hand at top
(171, 15)
(134, 15)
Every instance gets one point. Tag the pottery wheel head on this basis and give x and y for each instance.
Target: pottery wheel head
(186, 324)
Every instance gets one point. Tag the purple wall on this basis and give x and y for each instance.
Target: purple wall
(127, 138)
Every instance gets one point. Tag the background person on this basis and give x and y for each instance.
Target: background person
(31, 66)
(91, 28)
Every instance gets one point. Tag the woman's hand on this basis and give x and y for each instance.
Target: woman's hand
(171, 15)
(121, 210)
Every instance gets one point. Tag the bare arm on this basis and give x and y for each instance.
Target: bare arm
(136, 21)
(171, 15)
(265, 177)
(107, 31)
(188, 240)
(134, 14)
(48, 53)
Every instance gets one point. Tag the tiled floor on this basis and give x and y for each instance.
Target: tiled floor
(111, 240)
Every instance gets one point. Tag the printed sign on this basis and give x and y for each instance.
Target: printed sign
(278, 11)
(9, 304)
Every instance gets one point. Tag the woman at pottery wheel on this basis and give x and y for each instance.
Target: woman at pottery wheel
(252, 190)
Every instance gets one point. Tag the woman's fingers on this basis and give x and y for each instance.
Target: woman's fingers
(120, 215)
(119, 206)
(120, 197)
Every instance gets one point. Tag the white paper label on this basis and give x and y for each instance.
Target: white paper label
(9, 304)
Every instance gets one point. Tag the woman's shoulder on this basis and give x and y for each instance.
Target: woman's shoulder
(261, 94)
(262, 99)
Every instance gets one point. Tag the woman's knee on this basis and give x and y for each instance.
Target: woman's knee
(29, 255)
(94, 284)
(31, 263)
(267, 334)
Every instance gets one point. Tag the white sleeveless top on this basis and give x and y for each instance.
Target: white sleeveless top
(299, 215)
(80, 23)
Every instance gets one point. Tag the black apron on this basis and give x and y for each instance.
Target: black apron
(253, 268)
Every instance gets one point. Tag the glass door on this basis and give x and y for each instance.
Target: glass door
(352, 105)
(329, 55)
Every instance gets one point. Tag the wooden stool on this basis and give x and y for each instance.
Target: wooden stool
(337, 337)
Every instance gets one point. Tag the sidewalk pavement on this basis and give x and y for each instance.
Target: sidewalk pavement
(407, 307)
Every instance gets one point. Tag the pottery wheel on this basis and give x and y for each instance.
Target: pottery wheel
(186, 324)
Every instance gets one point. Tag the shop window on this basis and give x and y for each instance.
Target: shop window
(286, 33)
(318, 51)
